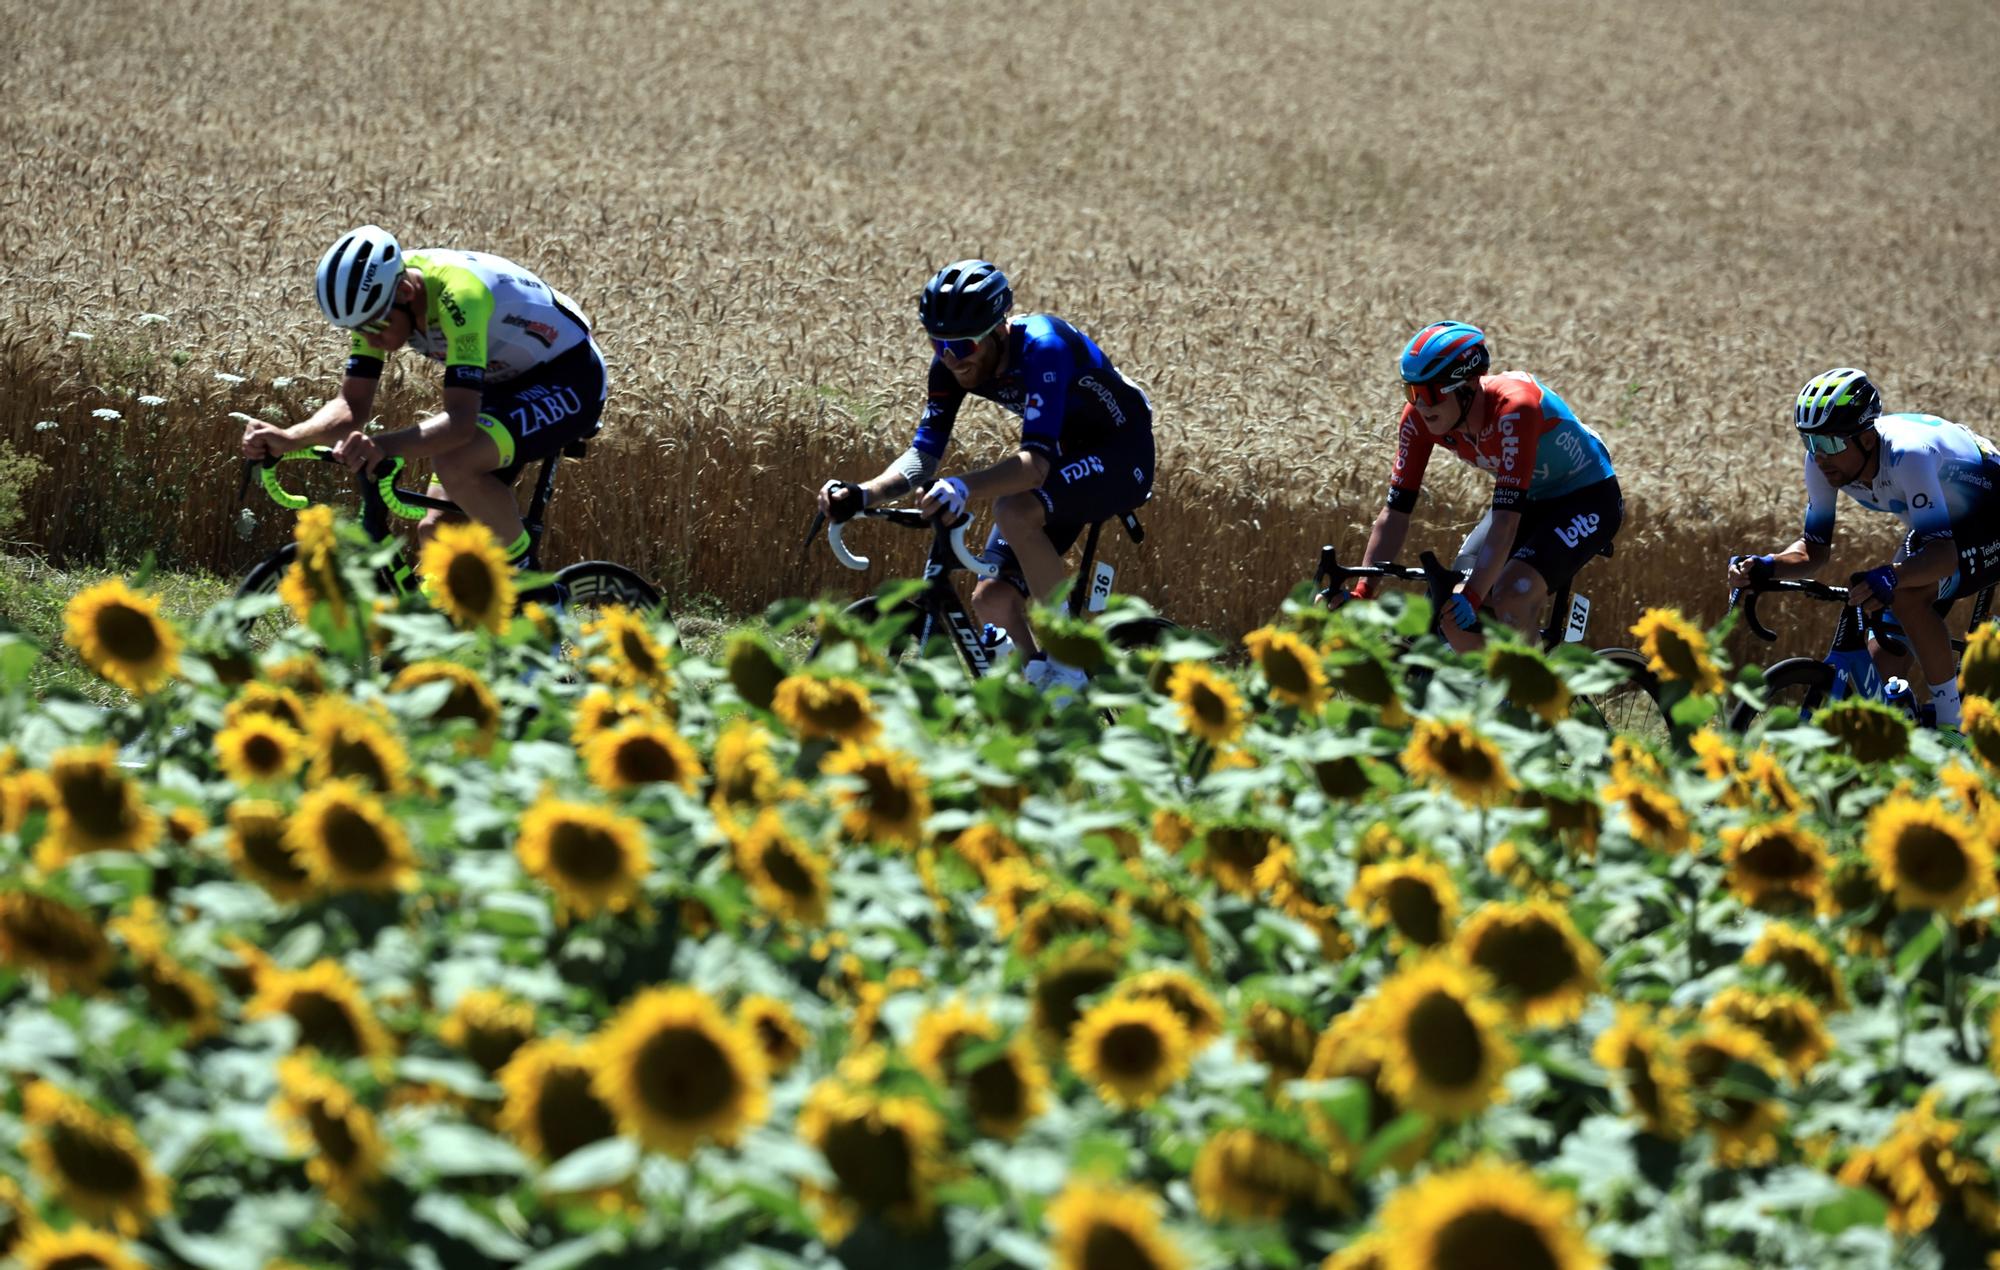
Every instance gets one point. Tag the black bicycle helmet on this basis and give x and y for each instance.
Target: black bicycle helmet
(1839, 403)
(967, 297)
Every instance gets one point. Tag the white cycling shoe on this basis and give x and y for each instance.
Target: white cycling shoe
(1059, 682)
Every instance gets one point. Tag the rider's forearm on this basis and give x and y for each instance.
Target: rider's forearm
(909, 473)
(1935, 561)
(1024, 471)
(1800, 560)
(330, 422)
(435, 435)
(1386, 538)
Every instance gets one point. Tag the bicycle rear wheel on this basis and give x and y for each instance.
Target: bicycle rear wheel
(1140, 632)
(262, 580)
(1633, 706)
(1799, 682)
(867, 612)
(592, 586)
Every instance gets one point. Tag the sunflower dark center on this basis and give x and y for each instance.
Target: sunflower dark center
(995, 1091)
(465, 703)
(776, 1042)
(1286, 672)
(1056, 995)
(1048, 922)
(888, 800)
(332, 1136)
(1778, 857)
(683, 1075)
(1238, 847)
(632, 646)
(872, 1161)
(787, 872)
(1342, 777)
(356, 755)
(1645, 1090)
(1479, 1237)
(469, 580)
(1108, 1247)
(834, 710)
(354, 841)
(1805, 974)
(129, 635)
(1531, 959)
(568, 1115)
(96, 799)
(1132, 1049)
(1653, 813)
(1932, 859)
(644, 759)
(1209, 706)
(50, 932)
(585, 853)
(1464, 758)
(264, 846)
(1416, 911)
(168, 996)
(325, 1023)
(94, 1163)
(1445, 1043)
(263, 754)
(493, 1045)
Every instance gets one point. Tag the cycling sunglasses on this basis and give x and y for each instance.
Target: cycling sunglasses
(381, 324)
(1819, 444)
(1426, 394)
(960, 349)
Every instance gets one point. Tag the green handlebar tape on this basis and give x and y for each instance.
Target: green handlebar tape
(279, 494)
(387, 485)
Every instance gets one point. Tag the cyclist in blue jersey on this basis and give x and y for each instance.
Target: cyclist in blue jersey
(1940, 479)
(1556, 500)
(522, 375)
(1085, 454)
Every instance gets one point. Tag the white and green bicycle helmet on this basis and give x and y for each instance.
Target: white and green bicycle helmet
(1838, 403)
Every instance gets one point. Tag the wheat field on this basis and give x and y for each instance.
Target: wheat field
(1674, 214)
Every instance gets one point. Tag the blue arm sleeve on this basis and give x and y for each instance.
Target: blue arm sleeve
(943, 396)
(1820, 500)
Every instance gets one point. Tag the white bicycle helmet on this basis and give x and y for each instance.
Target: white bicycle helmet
(357, 276)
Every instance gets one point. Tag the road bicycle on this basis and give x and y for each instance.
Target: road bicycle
(1848, 667)
(588, 585)
(936, 612)
(1632, 706)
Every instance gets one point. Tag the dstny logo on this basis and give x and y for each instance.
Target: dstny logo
(1583, 526)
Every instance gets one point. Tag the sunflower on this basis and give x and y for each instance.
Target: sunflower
(1047, 922)
(18, 1219)
(1185, 995)
(1776, 866)
(1093, 1226)
(746, 772)
(1452, 755)
(1291, 668)
(1867, 731)
(1346, 1050)
(95, 807)
(1232, 852)
(1130, 1051)
(346, 841)
(1003, 1089)
(1173, 830)
(776, 1029)
(121, 636)
(314, 576)
(1369, 1252)
(826, 709)
(1980, 723)
(1865, 908)
(634, 656)
(44, 936)
(1921, 1168)
(1440, 1039)
(1979, 665)
(1676, 650)
(551, 1108)
(1280, 1038)
(1789, 1023)
(344, 1147)
(78, 1248)
(984, 846)
(677, 1073)
(22, 795)
(178, 995)
(1344, 777)
(638, 752)
(326, 1003)
(1928, 857)
(185, 824)
(1246, 1174)
(755, 669)
(93, 1161)
(1770, 785)
(593, 858)
(282, 704)
(1360, 672)
(348, 741)
(489, 1027)
(1507, 861)
(261, 852)
(893, 798)
(466, 575)
(787, 877)
(601, 709)
(1642, 1058)
(884, 1152)
(468, 698)
(1211, 708)
(1544, 969)
(1575, 820)
(1489, 1213)
(1532, 682)
(1415, 896)
(1803, 961)
(1742, 1123)
(1654, 817)
(1073, 971)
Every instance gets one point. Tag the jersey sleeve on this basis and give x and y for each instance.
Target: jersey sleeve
(1520, 422)
(1923, 485)
(464, 308)
(941, 401)
(1046, 371)
(1820, 506)
(364, 360)
(1413, 455)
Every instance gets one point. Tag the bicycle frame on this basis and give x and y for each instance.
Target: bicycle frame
(1569, 614)
(1854, 670)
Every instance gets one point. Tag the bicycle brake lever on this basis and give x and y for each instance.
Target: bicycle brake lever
(812, 532)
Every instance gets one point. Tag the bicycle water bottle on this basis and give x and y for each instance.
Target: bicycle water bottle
(1899, 695)
(998, 642)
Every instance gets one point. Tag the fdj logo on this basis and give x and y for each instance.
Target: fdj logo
(1085, 466)
(1583, 526)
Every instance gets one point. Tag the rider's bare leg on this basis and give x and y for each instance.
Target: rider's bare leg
(467, 476)
(1520, 596)
(996, 601)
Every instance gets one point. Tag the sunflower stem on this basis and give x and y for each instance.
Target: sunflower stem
(1953, 1013)
(1686, 882)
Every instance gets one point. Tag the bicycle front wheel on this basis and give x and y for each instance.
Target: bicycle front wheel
(595, 585)
(1633, 706)
(1799, 682)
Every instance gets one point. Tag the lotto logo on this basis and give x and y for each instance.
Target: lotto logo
(1088, 465)
(1583, 526)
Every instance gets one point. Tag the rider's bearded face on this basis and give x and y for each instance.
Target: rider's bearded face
(970, 372)
(1845, 467)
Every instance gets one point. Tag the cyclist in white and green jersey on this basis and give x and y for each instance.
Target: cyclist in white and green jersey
(522, 376)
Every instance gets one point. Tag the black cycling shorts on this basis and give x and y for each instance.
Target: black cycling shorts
(1558, 536)
(1084, 486)
(536, 414)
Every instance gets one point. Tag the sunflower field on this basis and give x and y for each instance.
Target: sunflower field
(450, 937)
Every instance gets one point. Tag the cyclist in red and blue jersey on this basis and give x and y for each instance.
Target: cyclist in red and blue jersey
(1940, 479)
(1556, 501)
(522, 376)
(1085, 453)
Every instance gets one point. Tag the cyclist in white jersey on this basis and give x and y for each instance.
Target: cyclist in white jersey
(522, 376)
(1940, 479)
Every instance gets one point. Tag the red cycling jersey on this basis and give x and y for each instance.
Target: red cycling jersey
(1529, 439)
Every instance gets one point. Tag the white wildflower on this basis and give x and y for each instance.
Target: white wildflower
(150, 400)
(85, 336)
(151, 319)
(228, 378)
(282, 381)
(46, 425)
(107, 414)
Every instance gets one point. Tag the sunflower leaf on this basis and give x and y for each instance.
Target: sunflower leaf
(1910, 958)
(459, 1219)
(17, 660)
(591, 1168)
(514, 914)
(1395, 1135)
